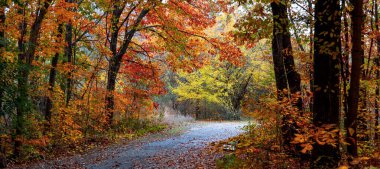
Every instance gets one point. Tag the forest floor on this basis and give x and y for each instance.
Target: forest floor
(182, 146)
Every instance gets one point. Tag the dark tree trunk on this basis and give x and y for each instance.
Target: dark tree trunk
(115, 61)
(327, 52)
(311, 45)
(277, 50)
(113, 69)
(377, 71)
(285, 73)
(198, 110)
(239, 94)
(2, 45)
(344, 65)
(25, 60)
(52, 77)
(3, 160)
(282, 52)
(356, 71)
(69, 56)
(21, 94)
(69, 59)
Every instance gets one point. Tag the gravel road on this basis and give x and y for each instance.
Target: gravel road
(185, 150)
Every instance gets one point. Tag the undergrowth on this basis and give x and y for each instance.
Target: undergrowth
(125, 130)
(259, 148)
(256, 149)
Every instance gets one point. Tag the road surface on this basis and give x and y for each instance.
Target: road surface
(185, 150)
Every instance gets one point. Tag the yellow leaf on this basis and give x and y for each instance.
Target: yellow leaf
(351, 131)
(376, 155)
(343, 167)
(298, 139)
(307, 147)
(355, 161)
(364, 158)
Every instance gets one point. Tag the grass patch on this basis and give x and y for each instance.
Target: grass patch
(229, 161)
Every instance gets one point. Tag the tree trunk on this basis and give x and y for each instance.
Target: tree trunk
(356, 71)
(25, 60)
(238, 96)
(277, 50)
(2, 45)
(52, 78)
(69, 57)
(326, 77)
(344, 63)
(3, 160)
(197, 109)
(20, 94)
(113, 69)
(311, 53)
(377, 64)
(115, 61)
(285, 73)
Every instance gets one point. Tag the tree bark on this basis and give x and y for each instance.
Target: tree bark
(344, 65)
(69, 57)
(52, 79)
(356, 71)
(311, 45)
(377, 72)
(198, 109)
(3, 5)
(285, 73)
(327, 50)
(115, 61)
(277, 50)
(25, 60)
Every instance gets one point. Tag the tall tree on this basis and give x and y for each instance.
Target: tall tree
(344, 63)
(278, 47)
(283, 60)
(25, 59)
(377, 64)
(327, 50)
(119, 51)
(356, 71)
(3, 5)
(69, 57)
(52, 80)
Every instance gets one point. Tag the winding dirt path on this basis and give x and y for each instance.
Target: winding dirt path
(186, 150)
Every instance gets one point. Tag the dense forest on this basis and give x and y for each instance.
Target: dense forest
(305, 72)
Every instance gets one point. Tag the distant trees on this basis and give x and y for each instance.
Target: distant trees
(221, 84)
(223, 89)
